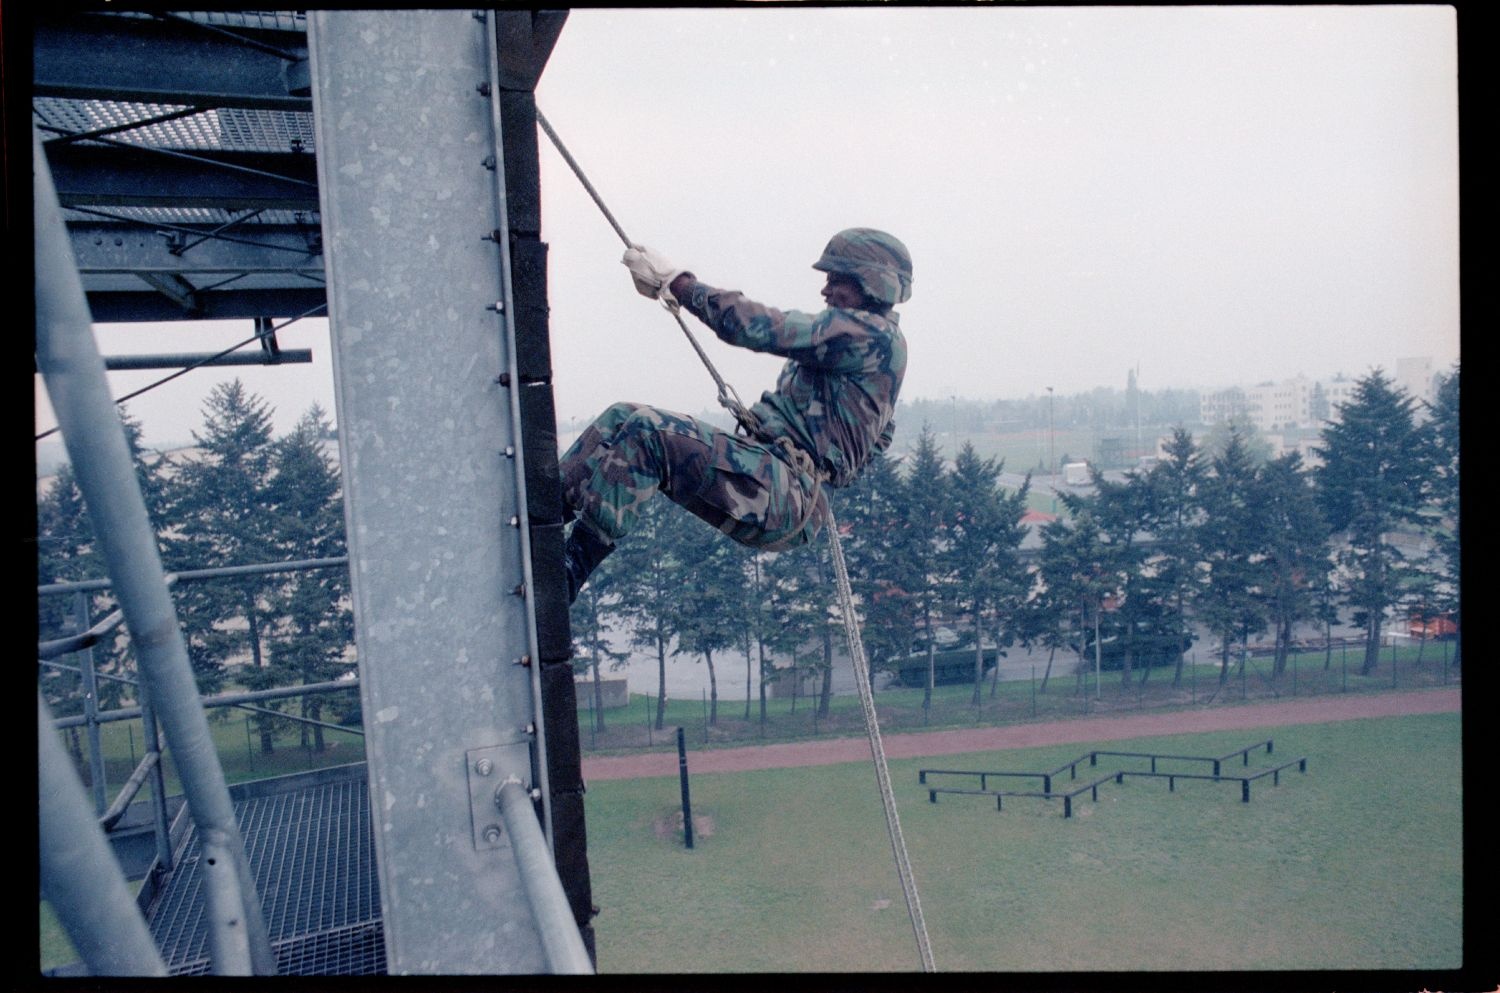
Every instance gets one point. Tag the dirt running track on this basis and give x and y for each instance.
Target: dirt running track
(1313, 710)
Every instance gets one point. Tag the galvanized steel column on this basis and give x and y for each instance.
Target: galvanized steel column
(414, 244)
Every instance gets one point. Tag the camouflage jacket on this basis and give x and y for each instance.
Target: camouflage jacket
(836, 395)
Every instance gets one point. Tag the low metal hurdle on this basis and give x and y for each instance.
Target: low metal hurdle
(1045, 777)
(1244, 781)
(1118, 776)
(1275, 774)
(1245, 754)
(1066, 797)
(1217, 763)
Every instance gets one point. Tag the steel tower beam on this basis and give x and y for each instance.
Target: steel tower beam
(103, 249)
(125, 307)
(244, 272)
(426, 367)
(135, 177)
(105, 56)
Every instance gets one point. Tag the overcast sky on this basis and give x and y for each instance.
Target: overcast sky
(1216, 195)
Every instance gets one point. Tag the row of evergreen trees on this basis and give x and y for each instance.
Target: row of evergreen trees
(1218, 538)
(241, 497)
(1213, 537)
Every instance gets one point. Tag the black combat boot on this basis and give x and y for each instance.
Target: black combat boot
(583, 550)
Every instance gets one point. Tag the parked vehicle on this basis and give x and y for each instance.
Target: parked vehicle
(1433, 626)
(953, 659)
(1076, 474)
(1157, 643)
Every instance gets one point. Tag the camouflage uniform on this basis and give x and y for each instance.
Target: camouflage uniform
(834, 400)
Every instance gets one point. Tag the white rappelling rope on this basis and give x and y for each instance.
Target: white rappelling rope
(730, 400)
(877, 750)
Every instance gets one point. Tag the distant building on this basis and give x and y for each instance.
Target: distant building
(1277, 406)
(1419, 379)
(1336, 391)
(1221, 406)
(1300, 404)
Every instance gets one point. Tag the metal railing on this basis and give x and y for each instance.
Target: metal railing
(562, 944)
(92, 718)
(151, 766)
(92, 635)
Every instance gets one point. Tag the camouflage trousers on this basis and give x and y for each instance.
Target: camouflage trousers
(746, 489)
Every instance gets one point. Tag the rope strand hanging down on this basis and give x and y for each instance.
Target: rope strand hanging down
(730, 400)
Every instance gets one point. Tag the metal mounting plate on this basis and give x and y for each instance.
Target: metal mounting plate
(488, 768)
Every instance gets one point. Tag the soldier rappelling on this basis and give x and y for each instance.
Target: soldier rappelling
(832, 409)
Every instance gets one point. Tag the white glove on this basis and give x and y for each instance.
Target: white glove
(652, 273)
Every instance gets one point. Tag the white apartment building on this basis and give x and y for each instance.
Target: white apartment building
(1417, 377)
(1222, 405)
(1275, 406)
(1339, 389)
(1304, 403)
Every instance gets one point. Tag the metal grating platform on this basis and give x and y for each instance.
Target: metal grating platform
(310, 846)
(234, 129)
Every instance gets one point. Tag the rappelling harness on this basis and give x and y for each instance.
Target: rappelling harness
(803, 462)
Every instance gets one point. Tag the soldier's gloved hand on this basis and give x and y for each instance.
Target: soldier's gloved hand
(651, 273)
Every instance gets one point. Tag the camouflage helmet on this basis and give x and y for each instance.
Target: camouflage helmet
(878, 261)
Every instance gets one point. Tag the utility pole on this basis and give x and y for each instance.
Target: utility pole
(954, 401)
(1051, 465)
(1135, 401)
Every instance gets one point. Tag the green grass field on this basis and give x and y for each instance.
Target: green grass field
(1355, 865)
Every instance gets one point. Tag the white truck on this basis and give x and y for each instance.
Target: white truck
(1076, 474)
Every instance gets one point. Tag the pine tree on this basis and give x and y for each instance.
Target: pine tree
(225, 511)
(760, 630)
(982, 552)
(1075, 580)
(1373, 481)
(1120, 509)
(590, 623)
(1255, 445)
(1444, 428)
(708, 609)
(1233, 528)
(918, 541)
(67, 551)
(825, 616)
(649, 573)
(1173, 515)
(1039, 621)
(870, 513)
(1296, 549)
(315, 627)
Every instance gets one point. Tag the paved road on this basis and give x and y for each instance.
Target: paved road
(1308, 710)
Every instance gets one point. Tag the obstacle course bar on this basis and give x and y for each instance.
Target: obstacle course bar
(1092, 787)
